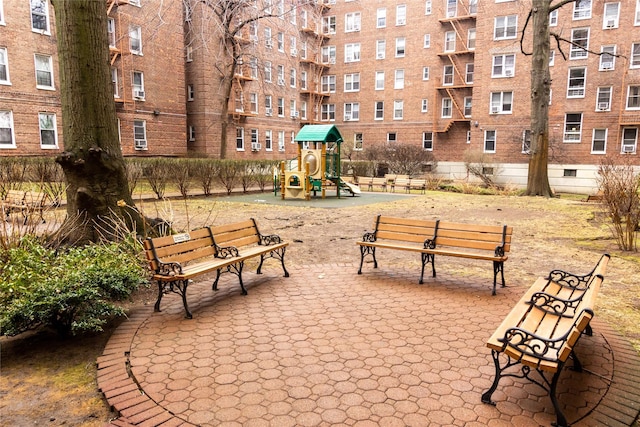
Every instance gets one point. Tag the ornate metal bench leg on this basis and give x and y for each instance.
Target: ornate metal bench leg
(259, 270)
(284, 251)
(214, 286)
(364, 251)
(486, 396)
(238, 271)
(156, 307)
(561, 421)
(498, 267)
(183, 291)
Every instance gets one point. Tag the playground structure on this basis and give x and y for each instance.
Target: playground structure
(318, 165)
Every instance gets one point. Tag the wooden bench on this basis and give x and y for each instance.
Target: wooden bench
(26, 202)
(541, 331)
(435, 237)
(417, 184)
(401, 183)
(177, 259)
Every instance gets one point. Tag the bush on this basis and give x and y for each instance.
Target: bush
(72, 290)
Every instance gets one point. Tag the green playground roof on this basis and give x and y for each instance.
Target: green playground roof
(319, 133)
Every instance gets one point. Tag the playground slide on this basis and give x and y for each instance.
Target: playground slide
(353, 189)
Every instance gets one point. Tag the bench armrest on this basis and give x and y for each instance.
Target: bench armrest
(555, 305)
(431, 243)
(570, 280)
(269, 239)
(499, 251)
(168, 268)
(226, 252)
(369, 237)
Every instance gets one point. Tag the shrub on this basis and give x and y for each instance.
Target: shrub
(71, 290)
(620, 188)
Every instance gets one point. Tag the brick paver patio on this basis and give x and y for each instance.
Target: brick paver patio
(329, 347)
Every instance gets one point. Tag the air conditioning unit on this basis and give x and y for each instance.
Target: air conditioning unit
(347, 117)
(268, 112)
(401, 22)
(256, 146)
(607, 65)
(140, 144)
(628, 149)
(611, 23)
(281, 82)
(508, 73)
(138, 94)
(495, 110)
(380, 55)
(356, 28)
(295, 114)
(269, 44)
(603, 106)
(332, 60)
(294, 52)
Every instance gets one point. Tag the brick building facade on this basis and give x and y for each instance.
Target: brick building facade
(448, 75)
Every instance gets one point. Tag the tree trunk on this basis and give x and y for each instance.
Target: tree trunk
(92, 161)
(538, 178)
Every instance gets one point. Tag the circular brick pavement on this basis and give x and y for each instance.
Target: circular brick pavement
(329, 347)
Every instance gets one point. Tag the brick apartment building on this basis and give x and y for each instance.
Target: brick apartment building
(448, 75)
(147, 60)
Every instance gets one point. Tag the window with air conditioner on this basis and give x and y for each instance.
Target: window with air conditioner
(503, 65)
(140, 134)
(629, 140)
(138, 85)
(603, 98)
(401, 14)
(607, 57)
(501, 102)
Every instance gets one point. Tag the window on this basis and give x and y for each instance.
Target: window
(468, 137)
(391, 137)
(471, 39)
(268, 140)
(637, 18)
(40, 16)
(253, 135)
(1, 14)
(611, 16)
(135, 40)
(577, 82)
(328, 84)
(352, 82)
(553, 18)
(381, 18)
(303, 80)
(505, 27)
(253, 68)
(267, 72)
(114, 82)
(280, 41)
(293, 43)
(570, 173)
(44, 71)
(4, 66)
(111, 32)
(352, 22)
(357, 141)
(328, 54)
(191, 133)
(140, 134)
(582, 9)
(427, 141)
(635, 55)
(379, 115)
(552, 57)
(253, 102)
(452, 8)
(7, 135)
(629, 140)
(293, 110)
(401, 14)
(280, 140)
(189, 54)
(400, 47)
(450, 41)
(352, 52)
(427, 7)
(268, 106)
(351, 111)
(599, 141)
(379, 80)
(138, 85)
(292, 77)
(280, 107)
(503, 66)
(633, 98)
(467, 106)
(468, 76)
(268, 42)
(424, 105)
(280, 75)
(240, 139)
(579, 43)
(489, 141)
(446, 108)
(398, 110)
(526, 141)
(425, 73)
(607, 59)
(572, 127)
(427, 41)
(329, 24)
(501, 102)
(603, 99)
(381, 47)
(328, 112)
(447, 75)
(399, 79)
(303, 110)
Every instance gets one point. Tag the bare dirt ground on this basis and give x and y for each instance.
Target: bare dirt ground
(48, 381)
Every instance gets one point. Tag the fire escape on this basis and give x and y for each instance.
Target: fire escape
(315, 37)
(457, 61)
(243, 73)
(118, 49)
